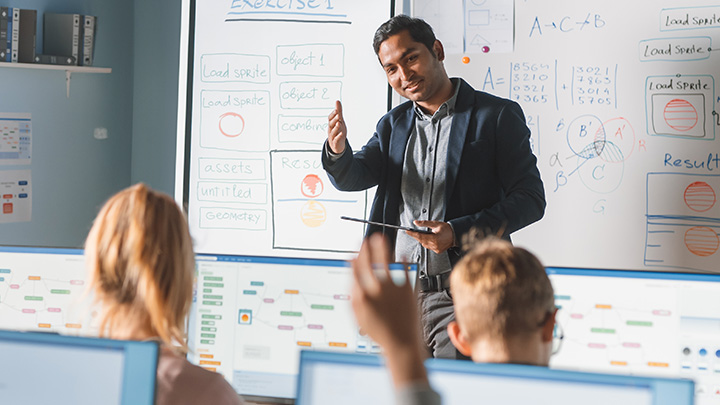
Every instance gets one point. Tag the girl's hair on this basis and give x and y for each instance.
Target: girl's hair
(140, 258)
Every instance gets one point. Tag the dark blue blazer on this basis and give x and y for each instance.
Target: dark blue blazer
(492, 182)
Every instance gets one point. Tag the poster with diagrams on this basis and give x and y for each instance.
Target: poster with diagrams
(15, 196)
(259, 118)
(15, 138)
(470, 26)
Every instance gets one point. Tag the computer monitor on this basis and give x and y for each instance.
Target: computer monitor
(331, 378)
(43, 289)
(252, 316)
(350, 379)
(465, 382)
(640, 323)
(47, 368)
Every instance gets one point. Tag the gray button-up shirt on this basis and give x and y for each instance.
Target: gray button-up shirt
(422, 189)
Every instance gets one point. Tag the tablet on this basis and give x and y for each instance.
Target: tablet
(404, 228)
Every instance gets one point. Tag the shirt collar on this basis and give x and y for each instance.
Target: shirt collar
(446, 108)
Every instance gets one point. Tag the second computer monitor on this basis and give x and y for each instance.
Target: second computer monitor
(640, 323)
(252, 316)
(43, 289)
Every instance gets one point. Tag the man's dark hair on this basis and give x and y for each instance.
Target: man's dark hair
(419, 30)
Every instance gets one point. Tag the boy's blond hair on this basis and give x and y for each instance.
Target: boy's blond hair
(140, 259)
(500, 291)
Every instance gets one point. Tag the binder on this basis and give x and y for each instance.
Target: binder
(76, 37)
(61, 34)
(8, 57)
(3, 34)
(26, 36)
(88, 40)
(15, 34)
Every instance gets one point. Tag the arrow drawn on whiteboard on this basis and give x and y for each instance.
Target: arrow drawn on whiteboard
(578, 168)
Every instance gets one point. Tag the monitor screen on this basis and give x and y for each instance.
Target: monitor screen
(46, 368)
(252, 316)
(640, 323)
(331, 378)
(43, 289)
(464, 382)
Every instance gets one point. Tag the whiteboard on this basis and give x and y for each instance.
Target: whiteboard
(263, 77)
(620, 98)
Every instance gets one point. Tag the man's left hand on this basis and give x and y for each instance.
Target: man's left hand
(441, 239)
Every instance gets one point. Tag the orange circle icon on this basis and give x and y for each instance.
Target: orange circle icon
(699, 196)
(231, 124)
(313, 214)
(680, 115)
(311, 186)
(702, 241)
(465, 60)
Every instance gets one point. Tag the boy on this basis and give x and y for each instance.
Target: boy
(504, 305)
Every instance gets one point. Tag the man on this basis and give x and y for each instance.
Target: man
(450, 159)
(504, 304)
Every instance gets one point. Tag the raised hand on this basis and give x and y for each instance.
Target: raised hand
(337, 131)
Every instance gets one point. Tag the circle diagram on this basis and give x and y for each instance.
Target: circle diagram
(231, 124)
(702, 241)
(603, 175)
(680, 115)
(621, 134)
(311, 186)
(586, 136)
(313, 214)
(699, 196)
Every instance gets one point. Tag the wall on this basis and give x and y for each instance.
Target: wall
(73, 173)
(156, 55)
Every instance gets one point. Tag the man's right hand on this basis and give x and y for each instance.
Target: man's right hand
(337, 131)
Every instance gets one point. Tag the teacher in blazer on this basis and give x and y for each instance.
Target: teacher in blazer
(450, 159)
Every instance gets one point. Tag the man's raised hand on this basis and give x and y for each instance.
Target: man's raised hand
(337, 131)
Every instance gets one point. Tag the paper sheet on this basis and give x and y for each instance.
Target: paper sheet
(15, 138)
(470, 26)
(15, 196)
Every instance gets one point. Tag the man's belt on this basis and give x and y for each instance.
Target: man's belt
(438, 282)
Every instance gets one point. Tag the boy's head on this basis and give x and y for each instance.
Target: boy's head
(504, 305)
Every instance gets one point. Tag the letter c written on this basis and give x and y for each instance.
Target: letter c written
(562, 25)
(601, 175)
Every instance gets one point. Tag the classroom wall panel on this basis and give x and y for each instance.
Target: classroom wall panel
(72, 172)
(156, 48)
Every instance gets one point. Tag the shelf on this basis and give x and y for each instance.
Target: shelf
(69, 70)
